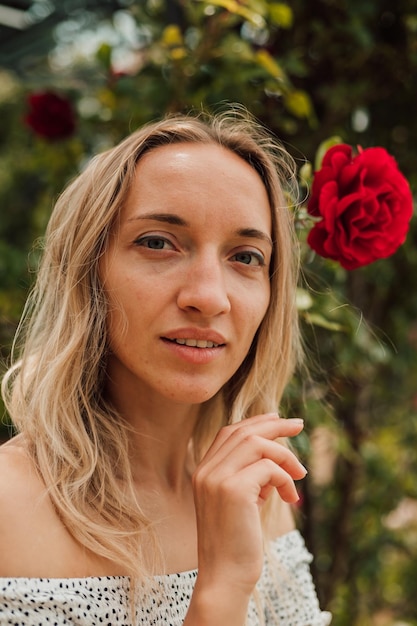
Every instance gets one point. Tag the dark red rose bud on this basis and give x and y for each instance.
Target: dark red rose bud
(50, 115)
(365, 205)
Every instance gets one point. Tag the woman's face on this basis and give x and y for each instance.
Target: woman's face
(186, 273)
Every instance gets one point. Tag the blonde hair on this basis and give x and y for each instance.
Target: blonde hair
(53, 392)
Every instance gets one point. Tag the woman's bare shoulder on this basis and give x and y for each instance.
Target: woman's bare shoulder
(31, 533)
(34, 542)
(21, 495)
(18, 478)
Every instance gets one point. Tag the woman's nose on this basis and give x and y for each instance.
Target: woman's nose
(203, 288)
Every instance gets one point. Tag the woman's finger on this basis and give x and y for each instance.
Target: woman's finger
(231, 458)
(252, 484)
(269, 426)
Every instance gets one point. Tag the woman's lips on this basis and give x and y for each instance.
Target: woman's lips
(195, 343)
(197, 352)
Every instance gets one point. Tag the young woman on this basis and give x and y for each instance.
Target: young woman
(149, 482)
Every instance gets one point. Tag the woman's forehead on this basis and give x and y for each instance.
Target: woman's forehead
(201, 177)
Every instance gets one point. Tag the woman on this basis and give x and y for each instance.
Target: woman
(162, 332)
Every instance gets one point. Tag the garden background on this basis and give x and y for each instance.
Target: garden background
(311, 71)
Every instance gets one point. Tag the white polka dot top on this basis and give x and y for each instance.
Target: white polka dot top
(285, 595)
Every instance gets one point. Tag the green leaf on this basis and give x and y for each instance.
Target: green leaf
(281, 14)
(237, 9)
(299, 103)
(104, 54)
(318, 320)
(265, 60)
(172, 36)
(305, 175)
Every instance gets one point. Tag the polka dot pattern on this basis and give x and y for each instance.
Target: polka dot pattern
(285, 595)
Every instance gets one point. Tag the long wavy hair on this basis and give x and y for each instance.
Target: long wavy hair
(54, 388)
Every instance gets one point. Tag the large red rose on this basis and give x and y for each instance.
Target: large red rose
(365, 204)
(50, 115)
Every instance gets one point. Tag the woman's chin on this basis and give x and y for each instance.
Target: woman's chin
(194, 395)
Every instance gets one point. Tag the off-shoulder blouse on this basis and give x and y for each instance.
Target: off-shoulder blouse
(285, 594)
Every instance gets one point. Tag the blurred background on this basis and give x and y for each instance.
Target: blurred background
(76, 76)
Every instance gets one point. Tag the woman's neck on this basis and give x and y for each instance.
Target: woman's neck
(160, 435)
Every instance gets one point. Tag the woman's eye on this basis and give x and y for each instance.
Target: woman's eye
(154, 243)
(249, 258)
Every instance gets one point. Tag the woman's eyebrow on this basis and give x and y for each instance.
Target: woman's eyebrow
(256, 234)
(169, 218)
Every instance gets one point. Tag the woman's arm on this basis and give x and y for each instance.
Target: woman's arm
(231, 485)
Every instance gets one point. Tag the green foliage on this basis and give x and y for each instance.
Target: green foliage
(310, 71)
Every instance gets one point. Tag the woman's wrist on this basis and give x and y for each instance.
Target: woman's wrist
(220, 603)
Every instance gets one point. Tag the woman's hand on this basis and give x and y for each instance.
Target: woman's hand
(231, 484)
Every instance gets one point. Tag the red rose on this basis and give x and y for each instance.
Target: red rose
(365, 204)
(51, 116)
